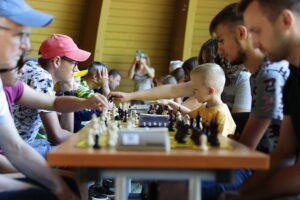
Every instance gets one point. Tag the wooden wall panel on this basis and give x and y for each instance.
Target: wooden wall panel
(138, 24)
(206, 10)
(69, 15)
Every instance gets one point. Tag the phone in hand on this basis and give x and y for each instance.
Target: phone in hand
(139, 53)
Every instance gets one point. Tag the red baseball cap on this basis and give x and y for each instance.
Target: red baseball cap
(62, 45)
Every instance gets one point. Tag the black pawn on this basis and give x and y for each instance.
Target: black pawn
(125, 116)
(96, 145)
(196, 132)
(171, 122)
(213, 137)
(180, 136)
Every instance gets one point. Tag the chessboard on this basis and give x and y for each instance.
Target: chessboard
(183, 132)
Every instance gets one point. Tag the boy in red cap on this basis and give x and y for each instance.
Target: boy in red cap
(57, 64)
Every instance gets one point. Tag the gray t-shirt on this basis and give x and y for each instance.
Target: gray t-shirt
(141, 82)
(267, 85)
(238, 93)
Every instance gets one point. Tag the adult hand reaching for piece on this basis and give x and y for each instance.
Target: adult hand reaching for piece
(120, 96)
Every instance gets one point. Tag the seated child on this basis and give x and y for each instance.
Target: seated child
(208, 82)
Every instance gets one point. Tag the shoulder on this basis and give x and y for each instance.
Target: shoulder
(34, 72)
(276, 69)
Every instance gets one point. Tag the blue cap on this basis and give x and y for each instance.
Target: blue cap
(20, 12)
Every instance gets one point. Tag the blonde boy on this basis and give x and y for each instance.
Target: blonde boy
(208, 82)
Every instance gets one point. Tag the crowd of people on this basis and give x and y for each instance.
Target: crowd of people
(248, 69)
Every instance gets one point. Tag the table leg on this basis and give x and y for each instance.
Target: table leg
(195, 188)
(121, 187)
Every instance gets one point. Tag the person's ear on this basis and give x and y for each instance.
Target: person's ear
(286, 18)
(211, 90)
(56, 61)
(241, 32)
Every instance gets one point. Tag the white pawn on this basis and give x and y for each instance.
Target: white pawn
(178, 116)
(90, 138)
(203, 142)
(130, 124)
(112, 134)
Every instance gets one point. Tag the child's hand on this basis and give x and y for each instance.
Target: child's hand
(162, 102)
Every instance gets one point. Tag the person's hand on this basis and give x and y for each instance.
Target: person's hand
(230, 195)
(162, 102)
(119, 96)
(97, 101)
(103, 76)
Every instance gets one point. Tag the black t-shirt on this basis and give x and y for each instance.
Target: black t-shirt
(291, 98)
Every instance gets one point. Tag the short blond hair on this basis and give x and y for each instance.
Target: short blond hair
(211, 75)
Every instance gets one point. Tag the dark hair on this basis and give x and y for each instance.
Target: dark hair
(209, 50)
(114, 73)
(190, 64)
(44, 62)
(178, 74)
(271, 8)
(94, 66)
(168, 79)
(227, 16)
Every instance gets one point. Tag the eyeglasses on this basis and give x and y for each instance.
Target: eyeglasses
(74, 63)
(22, 34)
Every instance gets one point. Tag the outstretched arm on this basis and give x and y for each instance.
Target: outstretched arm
(160, 92)
(34, 99)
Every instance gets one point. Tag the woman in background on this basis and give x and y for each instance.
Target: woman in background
(141, 73)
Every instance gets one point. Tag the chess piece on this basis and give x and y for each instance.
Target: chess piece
(165, 110)
(182, 131)
(192, 123)
(195, 136)
(125, 116)
(171, 122)
(203, 142)
(112, 134)
(97, 145)
(213, 137)
(90, 138)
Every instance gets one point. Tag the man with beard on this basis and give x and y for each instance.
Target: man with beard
(267, 80)
(274, 25)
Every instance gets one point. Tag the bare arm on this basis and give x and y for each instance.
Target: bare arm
(150, 71)
(56, 134)
(30, 162)
(160, 92)
(254, 130)
(34, 99)
(283, 177)
(132, 70)
(66, 121)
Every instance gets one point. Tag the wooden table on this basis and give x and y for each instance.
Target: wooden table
(189, 164)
